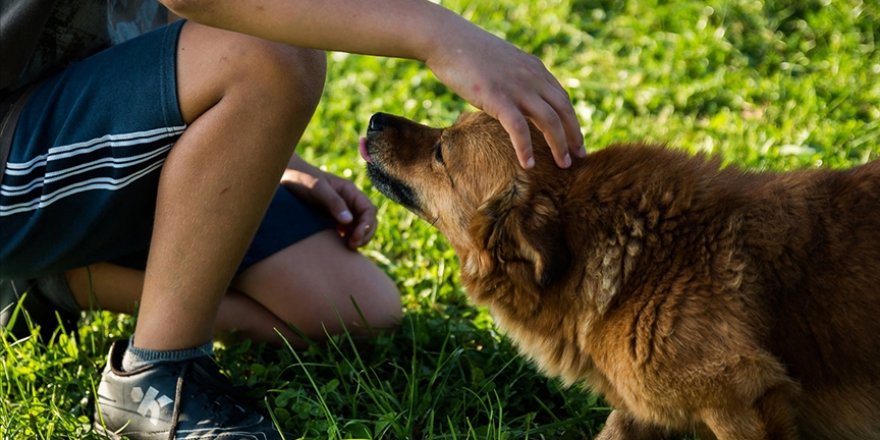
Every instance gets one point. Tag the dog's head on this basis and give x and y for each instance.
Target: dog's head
(466, 181)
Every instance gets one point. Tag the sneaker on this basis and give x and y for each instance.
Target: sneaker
(174, 400)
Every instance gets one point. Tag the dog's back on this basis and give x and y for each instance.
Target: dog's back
(802, 250)
(820, 255)
(812, 241)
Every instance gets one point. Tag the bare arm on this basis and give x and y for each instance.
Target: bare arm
(396, 28)
(483, 69)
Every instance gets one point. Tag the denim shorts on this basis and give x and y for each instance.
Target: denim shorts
(82, 176)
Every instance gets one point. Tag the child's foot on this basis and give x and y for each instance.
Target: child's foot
(174, 400)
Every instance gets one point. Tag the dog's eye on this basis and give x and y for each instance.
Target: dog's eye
(438, 152)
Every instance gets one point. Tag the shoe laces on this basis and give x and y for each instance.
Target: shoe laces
(220, 398)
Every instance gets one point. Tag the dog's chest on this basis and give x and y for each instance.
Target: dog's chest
(578, 350)
(557, 344)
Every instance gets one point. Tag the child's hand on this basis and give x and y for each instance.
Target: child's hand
(350, 207)
(513, 87)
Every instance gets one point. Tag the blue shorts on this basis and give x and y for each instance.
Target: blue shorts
(82, 175)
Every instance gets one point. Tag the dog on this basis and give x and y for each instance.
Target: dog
(695, 298)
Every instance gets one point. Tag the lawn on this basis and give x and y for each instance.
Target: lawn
(773, 85)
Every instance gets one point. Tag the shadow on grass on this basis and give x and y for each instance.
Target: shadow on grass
(439, 376)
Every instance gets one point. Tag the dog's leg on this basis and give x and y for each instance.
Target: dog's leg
(622, 426)
(739, 423)
(769, 419)
(776, 411)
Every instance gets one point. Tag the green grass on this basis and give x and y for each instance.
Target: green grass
(765, 85)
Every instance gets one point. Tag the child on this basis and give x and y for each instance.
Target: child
(149, 173)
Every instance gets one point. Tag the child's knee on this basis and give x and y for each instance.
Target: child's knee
(387, 309)
(376, 305)
(214, 65)
(299, 73)
(294, 75)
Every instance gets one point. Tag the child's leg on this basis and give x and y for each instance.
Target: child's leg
(93, 163)
(296, 271)
(88, 166)
(311, 284)
(246, 102)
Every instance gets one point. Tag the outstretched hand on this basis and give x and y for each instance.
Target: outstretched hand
(351, 208)
(513, 87)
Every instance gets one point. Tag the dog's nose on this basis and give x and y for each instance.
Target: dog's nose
(377, 122)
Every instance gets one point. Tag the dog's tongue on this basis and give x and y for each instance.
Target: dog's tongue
(362, 148)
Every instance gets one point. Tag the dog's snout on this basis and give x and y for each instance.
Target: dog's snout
(377, 122)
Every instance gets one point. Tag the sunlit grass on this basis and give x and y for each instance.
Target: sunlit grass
(765, 85)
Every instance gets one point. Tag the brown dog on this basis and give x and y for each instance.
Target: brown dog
(740, 305)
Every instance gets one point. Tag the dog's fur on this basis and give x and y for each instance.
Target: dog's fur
(738, 304)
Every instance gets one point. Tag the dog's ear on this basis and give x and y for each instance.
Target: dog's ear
(516, 228)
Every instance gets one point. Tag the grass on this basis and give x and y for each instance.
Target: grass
(766, 85)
